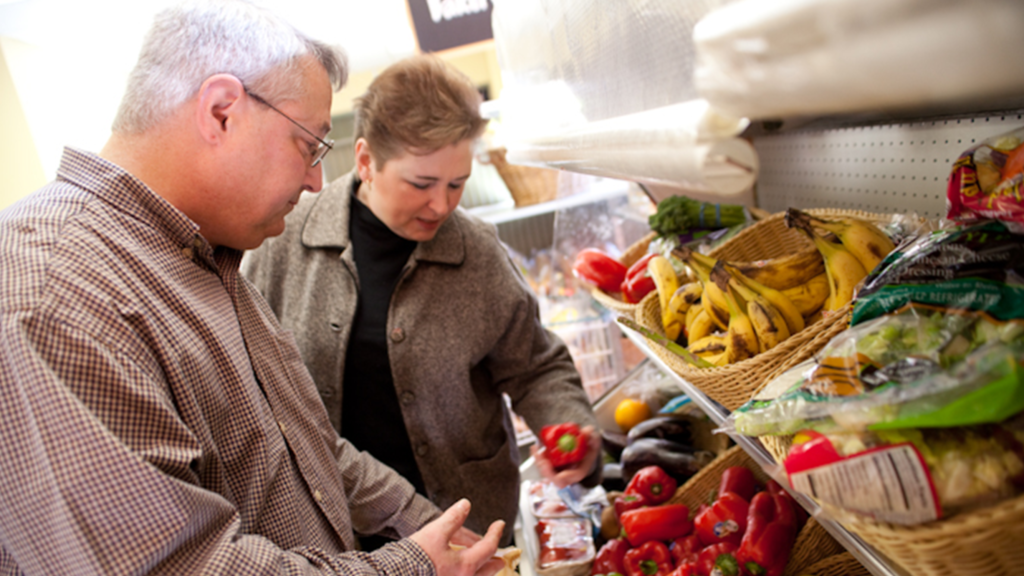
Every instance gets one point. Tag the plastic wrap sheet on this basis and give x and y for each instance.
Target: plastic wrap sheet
(608, 90)
(778, 58)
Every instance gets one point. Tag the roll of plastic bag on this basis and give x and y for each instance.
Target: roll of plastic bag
(777, 58)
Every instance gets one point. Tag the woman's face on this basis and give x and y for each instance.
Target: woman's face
(414, 194)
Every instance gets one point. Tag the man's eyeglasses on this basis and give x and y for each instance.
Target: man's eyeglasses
(321, 150)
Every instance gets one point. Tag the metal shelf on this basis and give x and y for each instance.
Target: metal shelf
(875, 562)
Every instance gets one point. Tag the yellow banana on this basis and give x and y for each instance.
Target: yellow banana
(844, 272)
(684, 298)
(712, 298)
(711, 345)
(718, 359)
(740, 338)
(691, 315)
(666, 282)
(794, 319)
(810, 296)
(864, 240)
(785, 271)
(769, 323)
(702, 326)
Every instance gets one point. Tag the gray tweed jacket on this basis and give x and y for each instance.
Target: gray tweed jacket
(463, 328)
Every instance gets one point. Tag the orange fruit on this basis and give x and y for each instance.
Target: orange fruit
(631, 412)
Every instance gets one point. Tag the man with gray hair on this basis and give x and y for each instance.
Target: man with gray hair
(155, 418)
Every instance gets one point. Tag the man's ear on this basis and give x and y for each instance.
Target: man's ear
(218, 106)
(364, 160)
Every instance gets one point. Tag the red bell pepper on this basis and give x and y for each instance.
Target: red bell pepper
(610, 558)
(685, 569)
(740, 481)
(638, 282)
(653, 483)
(564, 444)
(627, 502)
(771, 532)
(724, 521)
(595, 267)
(801, 515)
(663, 523)
(718, 560)
(650, 559)
(685, 549)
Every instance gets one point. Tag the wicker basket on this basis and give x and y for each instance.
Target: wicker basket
(633, 253)
(733, 385)
(527, 184)
(985, 542)
(838, 565)
(812, 544)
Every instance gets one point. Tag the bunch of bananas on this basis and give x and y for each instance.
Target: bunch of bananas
(850, 248)
(734, 311)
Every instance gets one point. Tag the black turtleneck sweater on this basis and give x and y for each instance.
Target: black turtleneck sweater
(371, 417)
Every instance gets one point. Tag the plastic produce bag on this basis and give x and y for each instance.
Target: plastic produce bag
(909, 476)
(976, 267)
(986, 182)
(920, 366)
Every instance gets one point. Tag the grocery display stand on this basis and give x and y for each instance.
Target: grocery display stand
(866, 555)
(892, 155)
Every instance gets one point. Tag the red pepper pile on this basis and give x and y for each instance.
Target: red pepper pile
(600, 269)
(744, 531)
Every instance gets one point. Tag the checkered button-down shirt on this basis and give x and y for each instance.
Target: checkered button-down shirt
(155, 418)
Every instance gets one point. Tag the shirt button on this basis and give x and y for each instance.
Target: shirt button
(408, 397)
(397, 335)
(422, 450)
(281, 426)
(186, 252)
(318, 496)
(197, 242)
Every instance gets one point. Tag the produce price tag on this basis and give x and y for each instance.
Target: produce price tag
(890, 484)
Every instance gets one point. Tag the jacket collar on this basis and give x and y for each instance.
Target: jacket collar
(326, 225)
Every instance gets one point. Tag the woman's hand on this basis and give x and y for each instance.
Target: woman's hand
(567, 476)
(477, 559)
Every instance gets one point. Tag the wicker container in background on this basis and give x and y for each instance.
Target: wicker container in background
(813, 543)
(527, 184)
(838, 565)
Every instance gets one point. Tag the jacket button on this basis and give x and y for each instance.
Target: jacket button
(397, 335)
(422, 450)
(408, 397)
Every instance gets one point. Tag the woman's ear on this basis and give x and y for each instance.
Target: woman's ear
(218, 107)
(364, 160)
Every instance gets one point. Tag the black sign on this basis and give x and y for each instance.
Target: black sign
(443, 24)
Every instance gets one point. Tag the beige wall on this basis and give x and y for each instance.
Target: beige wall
(20, 167)
(479, 62)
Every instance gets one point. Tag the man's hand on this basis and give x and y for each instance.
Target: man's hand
(563, 478)
(475, 560)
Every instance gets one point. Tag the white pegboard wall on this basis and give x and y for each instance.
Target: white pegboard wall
(885, 168)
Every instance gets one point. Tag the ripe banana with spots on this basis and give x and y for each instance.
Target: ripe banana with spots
(700, 327)
(711, 345)
(684, 298)
(768, 322)
(864, 240)
(712, 299)
(809, 297)
(785, 271)
(740, 338)
(666, 282)
(844, 272)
